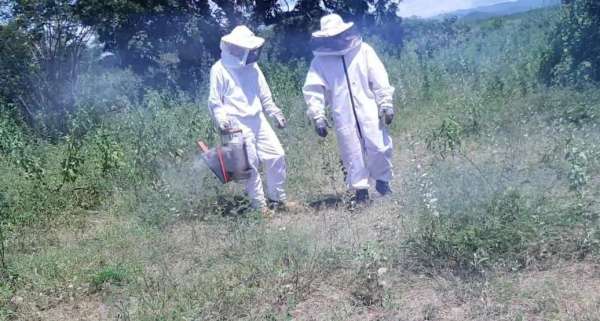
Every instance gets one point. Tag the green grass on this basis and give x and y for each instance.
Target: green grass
(117, 275)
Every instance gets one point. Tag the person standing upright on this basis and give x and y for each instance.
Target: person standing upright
(347, 75)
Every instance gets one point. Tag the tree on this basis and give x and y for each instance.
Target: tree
(45, 61)
(16, 69)
(388, 24)
(574, 53)
(293, 28)
(172, 42)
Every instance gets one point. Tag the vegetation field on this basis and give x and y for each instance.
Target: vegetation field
(494, 214)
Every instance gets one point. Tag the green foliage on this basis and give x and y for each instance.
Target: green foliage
(71, 165)
(368, 290)
(446, 139)
(111, 153)
(3, 225)
(12, 136)
(172, 44)
(432, 36)
(574, 55)
(123, 185)
(42, 62)
(578, 163)
(6, 293)
(501, 231)
(115, 275)
(16, 66)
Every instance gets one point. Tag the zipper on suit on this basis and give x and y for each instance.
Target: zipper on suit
(360, 135)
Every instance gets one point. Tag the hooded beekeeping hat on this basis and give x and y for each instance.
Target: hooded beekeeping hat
(243, 37)
(332, 25)
(336, 37)
(241, 47)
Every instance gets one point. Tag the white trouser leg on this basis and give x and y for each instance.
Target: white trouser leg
(272, 156)
(264, 147)
(254, 187)
(379, 157)
(275, 172)
(353, 158)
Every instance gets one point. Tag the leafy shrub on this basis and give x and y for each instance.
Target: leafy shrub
(446, 139)
(12, 136)
(498, 232)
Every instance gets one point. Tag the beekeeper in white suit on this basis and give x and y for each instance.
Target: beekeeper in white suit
(239, 98)
(347, 75)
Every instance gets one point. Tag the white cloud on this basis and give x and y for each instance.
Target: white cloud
(429, 8)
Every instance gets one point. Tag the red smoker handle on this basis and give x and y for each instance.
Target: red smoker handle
(202, 146)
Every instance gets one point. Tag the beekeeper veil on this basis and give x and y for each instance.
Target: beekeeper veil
(241, 47)
(336, 37)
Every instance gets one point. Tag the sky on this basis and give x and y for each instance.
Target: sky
(429, 8)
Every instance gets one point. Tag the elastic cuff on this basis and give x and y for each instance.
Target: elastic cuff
(362, 184)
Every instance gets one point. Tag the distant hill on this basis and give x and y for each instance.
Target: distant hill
(500, 9)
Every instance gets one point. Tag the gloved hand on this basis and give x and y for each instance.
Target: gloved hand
(280, 119)
(386, 113)
(321, 126)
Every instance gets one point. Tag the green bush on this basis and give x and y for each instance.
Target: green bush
(499, 232)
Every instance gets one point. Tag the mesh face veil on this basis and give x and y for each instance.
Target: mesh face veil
(338, 44)
(253, 55)
(243, 55)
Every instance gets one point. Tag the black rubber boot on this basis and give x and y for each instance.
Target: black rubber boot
(383, 188)
(362, 196)
(284, 206)
(275, 205)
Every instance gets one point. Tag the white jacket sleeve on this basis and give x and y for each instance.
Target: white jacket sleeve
(215, 97)
(266, 98)
(379, 80)
(314, 93)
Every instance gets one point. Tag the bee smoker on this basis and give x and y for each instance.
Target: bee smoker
(229, 162)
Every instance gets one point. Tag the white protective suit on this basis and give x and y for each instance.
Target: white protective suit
(369, 157)
(239, 94)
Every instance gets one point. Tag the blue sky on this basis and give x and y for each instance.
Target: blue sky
(429, 8)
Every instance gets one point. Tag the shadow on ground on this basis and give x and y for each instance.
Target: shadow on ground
(328, 202)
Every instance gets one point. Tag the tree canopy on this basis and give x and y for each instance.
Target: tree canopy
(182, 36)
(574, 54)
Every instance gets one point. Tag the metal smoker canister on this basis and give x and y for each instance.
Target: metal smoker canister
(230, 161)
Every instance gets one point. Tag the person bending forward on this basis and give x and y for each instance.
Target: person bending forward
(239, 98)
